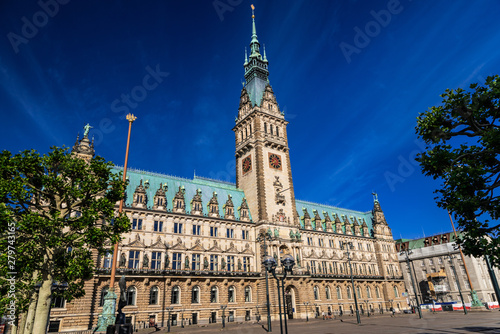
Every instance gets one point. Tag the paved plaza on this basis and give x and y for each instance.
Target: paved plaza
(443, 322)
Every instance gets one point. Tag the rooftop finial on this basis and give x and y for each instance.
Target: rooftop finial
(375, 197)
(253, 8)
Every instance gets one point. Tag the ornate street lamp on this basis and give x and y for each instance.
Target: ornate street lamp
(223, 308)
(306, 304)
(169, 309)
(408, 252)
(263, 237)
(348, 253)
(287, 263)
(458, 283)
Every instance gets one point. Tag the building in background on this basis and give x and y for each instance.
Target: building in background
(435, 279)
(196, 244)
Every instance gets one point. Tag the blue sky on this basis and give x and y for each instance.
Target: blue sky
(351, 76)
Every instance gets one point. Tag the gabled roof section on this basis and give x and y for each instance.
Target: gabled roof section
(321, 209)
(207, 187)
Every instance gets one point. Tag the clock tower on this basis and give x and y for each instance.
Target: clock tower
(262, 156)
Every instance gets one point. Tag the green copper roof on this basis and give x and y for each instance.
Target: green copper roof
(332, 210)
(207, 186)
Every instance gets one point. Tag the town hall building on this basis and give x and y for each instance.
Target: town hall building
(197, 244)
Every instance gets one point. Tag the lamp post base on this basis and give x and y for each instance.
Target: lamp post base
(475, 300)
(108, 316)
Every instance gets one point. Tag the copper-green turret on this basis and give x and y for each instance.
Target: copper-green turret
(256, 72)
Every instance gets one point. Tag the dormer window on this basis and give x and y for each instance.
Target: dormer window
(178, 201)
(229, 207)
(244, 210)
(196, 207)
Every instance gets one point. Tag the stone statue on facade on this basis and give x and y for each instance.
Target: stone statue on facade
(186, 263)
(223, 264)
(239, 264)
(276, 233)
(86, 129)
(298, 260)
(269, 232)
(205, 263)
(167, 261)
(123, 260)
(145, 261)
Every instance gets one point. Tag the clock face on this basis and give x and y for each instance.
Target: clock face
(274, 161)
(247, 164)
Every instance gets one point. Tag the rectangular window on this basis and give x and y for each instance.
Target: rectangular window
(309, 241)
(195, 263)
(158, 226)
(176, 261)
(213, 231)
(133, 259)
(320, 242)
(246, 263)
(107, 260)
(58, 302)
(137, 224)
(244, 235)
(313, 267)
(331, 244)
(177, 227)
(360, 246)
(324, 267)
(196, 229)
(230, 233)
(214, 262)
(230, 263)
(156, 260)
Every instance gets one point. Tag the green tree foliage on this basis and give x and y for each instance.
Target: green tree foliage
(63, 210)
(462, 139)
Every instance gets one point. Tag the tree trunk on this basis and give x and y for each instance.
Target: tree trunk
(21, 323)
(29, 317)
(43, 306)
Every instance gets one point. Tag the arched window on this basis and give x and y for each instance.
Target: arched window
(271, 128)
(248, 294)
(277, 131)
(131, 294)
(265, 127)
(339, 293)
(316, 293)
(358, 292)
(153, 296)
(368, 292)
(327, 291)
(176, 295)
(349, 296)
(377, 292)
(104, 292)
(214, 294)
(231, 292)
(396, 292)
(195, 295)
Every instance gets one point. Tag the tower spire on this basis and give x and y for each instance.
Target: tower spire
(254, 44)
(256, 72)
